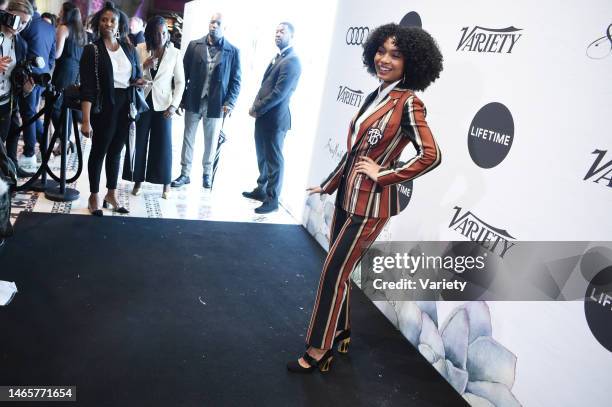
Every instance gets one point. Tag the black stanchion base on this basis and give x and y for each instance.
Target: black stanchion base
(38, 186)
(54, 194)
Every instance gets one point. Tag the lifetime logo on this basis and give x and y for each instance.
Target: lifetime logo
(356, 35)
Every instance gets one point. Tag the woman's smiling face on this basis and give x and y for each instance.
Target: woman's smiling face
(389, 62)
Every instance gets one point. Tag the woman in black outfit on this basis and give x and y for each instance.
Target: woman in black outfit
(70, 39)
(162, 65)
(117, 68)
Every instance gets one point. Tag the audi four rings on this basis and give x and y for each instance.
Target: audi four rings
(356, 35)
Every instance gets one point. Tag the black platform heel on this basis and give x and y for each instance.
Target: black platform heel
(323, 364)
(343, 341)
(121, 209)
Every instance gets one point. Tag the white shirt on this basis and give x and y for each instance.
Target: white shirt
(372, 107)
(7, 49)
(122, 68)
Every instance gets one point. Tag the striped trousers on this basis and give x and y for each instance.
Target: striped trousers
(350, 238)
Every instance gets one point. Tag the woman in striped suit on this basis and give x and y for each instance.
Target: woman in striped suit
(405, 59)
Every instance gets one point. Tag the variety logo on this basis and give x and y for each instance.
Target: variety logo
(489, 40)
(356, 35)
(602, 46)
(602, 171)
(349, 96)
(374, 136)
(495, 240)
(491, 135)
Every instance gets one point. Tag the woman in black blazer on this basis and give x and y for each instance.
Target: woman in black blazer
(118, 68)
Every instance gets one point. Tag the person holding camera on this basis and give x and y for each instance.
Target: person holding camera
(13, 48)
(40, 37)
(107, 68)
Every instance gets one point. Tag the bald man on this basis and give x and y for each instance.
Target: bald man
(212, 84)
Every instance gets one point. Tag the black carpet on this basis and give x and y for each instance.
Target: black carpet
(150, 312)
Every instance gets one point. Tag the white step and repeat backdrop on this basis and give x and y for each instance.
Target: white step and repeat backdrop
(540, 75)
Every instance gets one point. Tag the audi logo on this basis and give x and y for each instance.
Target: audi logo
(357, 35)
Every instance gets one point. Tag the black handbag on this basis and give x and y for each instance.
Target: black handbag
(72, 93)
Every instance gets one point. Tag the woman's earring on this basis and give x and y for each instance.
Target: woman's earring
(117, 34)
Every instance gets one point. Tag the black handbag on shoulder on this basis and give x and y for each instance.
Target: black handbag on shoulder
(72, 93)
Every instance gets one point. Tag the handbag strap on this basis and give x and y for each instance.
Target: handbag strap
(96, 68)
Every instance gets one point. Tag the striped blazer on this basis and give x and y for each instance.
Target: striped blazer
(399, 119)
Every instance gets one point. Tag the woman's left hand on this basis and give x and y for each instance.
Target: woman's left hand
(368, 167)
(140, 83)
(169, 112)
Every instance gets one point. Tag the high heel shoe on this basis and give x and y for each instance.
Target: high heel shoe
(136, 191)
(323, 364)
(343, 341)
(95, 212)
(121, 209)
(71, 148)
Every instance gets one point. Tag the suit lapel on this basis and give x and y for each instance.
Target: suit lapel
(163, 63)
(363, 107)
(108, 66)
(382, 108)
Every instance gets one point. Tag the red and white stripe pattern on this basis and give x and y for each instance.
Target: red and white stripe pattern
(400, 118)
(351, 236)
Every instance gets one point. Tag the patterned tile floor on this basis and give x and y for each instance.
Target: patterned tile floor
(236, 173)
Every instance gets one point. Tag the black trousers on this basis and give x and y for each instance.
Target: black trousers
(153, 155)
(110, 133)
(269, 149)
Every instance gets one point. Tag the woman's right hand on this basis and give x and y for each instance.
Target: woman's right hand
(86, 129)
(4, 63)
(314, 190)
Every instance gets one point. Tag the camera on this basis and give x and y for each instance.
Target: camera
(23, 71)
(9, 20)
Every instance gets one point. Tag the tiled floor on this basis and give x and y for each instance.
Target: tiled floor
(236, 173)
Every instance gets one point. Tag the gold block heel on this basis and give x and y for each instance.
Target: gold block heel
(343, 347)
(324, 368)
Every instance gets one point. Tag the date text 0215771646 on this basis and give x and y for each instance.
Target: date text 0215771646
(38, 393)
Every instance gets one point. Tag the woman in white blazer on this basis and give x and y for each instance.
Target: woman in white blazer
(162, 66)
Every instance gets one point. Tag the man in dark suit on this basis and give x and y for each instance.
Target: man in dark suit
(273, 119)
(40, 37)
(212, 84)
